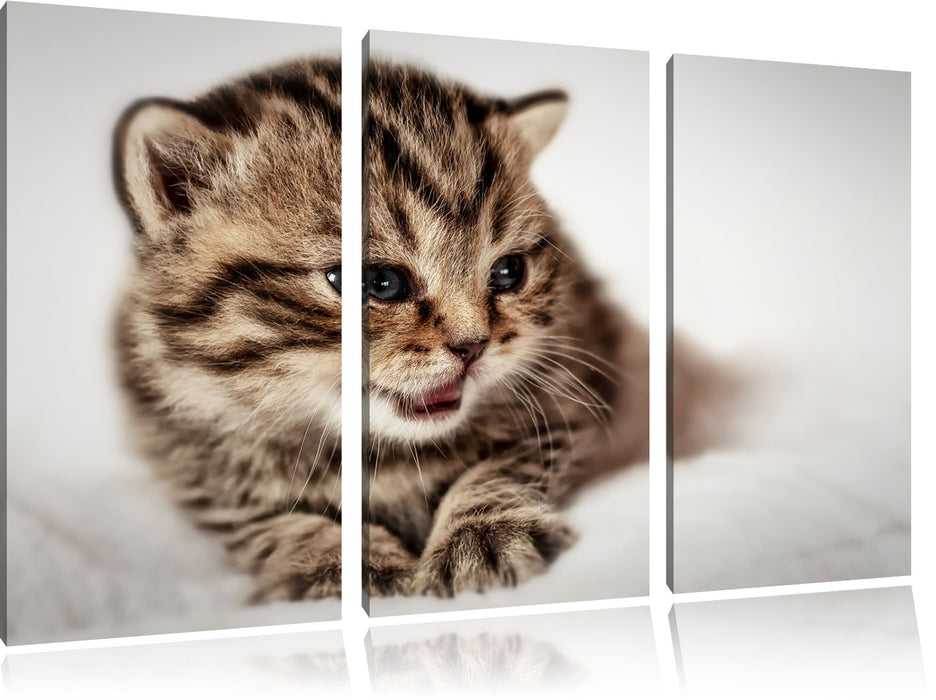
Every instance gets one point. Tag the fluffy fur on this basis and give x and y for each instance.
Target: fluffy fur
(229, 330)
(466, 499)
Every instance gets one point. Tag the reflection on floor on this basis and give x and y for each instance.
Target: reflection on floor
(273, 666)
(843, 644)
(544, 656)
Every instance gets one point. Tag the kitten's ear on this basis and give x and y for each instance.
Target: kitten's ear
(537, 117)
(163, 158)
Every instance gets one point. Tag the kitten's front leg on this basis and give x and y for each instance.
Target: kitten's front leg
(293, 555)
(390, 566)
(493, 527)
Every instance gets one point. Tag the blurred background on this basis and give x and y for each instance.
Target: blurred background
(791, 227)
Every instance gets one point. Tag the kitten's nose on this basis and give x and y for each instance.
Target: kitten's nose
(469, 352)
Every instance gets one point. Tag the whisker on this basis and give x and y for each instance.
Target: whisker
(318, 452)
(521, 393)
(332, 494)
(586, 391)
(315, 410)
(421, 481)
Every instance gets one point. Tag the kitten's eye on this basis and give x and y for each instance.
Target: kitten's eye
(334, 277)
(507, 273)
(386, 283)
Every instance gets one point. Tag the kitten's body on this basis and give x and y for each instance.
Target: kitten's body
(558, 391)
(230, 330)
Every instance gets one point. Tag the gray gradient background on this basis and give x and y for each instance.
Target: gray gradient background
(95, 546)
(594, 175)
(792, 255)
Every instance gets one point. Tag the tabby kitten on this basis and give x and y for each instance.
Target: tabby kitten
(229, 332)
(500, 375)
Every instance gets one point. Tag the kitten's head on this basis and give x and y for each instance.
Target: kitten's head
(463, 277)
(236, 198)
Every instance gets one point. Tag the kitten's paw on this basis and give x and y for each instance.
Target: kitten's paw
(301, 580)
(390, 575)
(484, 551)
(390, 565)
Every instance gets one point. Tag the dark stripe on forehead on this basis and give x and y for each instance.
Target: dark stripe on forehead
(228, 108)
(490, 165)
(402, 221)
(438, 102)
(237, 107)
(404, 167)
(440, 115)
(411, 92)
(386, 141)
(304, 93)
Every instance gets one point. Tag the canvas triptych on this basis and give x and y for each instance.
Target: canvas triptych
(174, 285)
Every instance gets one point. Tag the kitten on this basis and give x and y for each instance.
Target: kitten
(229, 332)
(500, 375)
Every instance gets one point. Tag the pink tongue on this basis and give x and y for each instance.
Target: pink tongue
(445, 394)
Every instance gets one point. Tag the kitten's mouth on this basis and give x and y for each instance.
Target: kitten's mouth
(435, 404)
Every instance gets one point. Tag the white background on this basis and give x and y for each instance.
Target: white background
(791, 234)
(893, 35)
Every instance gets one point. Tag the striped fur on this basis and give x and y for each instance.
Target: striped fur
(229, 332)
(469, 500)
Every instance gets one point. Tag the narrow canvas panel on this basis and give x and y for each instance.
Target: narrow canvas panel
(505, 274)
(172, 343)
(790, 263)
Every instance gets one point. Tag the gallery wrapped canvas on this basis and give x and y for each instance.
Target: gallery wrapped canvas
(173, 207)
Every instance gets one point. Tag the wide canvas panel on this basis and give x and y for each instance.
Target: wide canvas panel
(790, 264)
(210, 374)
(506, 209)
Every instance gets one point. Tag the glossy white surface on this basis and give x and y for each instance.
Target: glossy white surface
(818, 645)
(828, 645)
